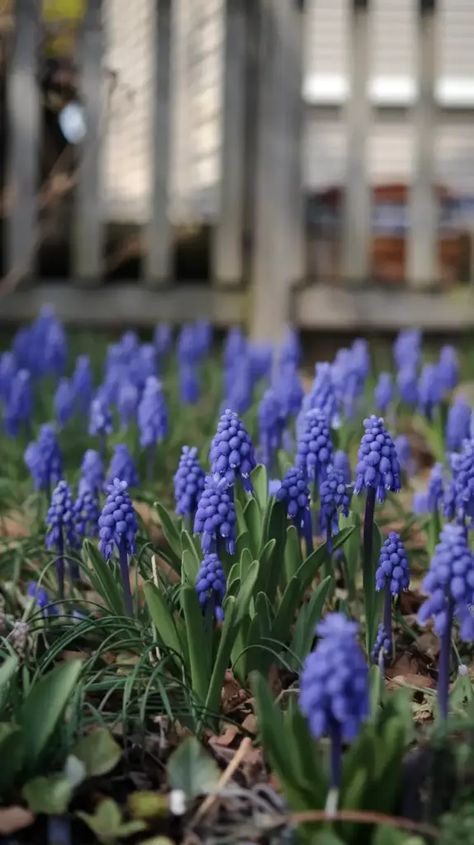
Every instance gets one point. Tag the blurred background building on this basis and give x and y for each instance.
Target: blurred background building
(253, 160)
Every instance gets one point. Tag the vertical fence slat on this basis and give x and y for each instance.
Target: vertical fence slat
(422, 263)
(158, 255)
(272, 263)
(88, 232)
(356, 229)
(23, 144)
(228, 234)
(296, 108)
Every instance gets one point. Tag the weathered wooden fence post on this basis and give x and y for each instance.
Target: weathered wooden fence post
(158, 247)
(422, 263)
(88, 229)
(356, 223)
(23, 141)
(275, 245)
(227, 256)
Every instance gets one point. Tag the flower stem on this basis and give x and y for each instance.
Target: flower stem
(387, 617)
(308, 531)
(150, 463)
(367, 571)
(60, 566)
(125, 576)
(443, 665)
(336, 755)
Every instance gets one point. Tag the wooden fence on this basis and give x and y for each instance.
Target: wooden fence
(258, 249)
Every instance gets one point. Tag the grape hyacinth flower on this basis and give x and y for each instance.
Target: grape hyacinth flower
(392, 576)
(334, 500)
(294, 492)
(407, 348)
(289, 390)
(122, 466)
(127, 403)
(419, 503)
(430, 390)
(44, 460)
(60, 522)
(382, 647)
(211, 586)
(449, 585)
(271, 422)
(41, 599)
(377, 471)
(55, 348)
(403, 448)
(92, 470)
(341, 462)
(100, 420)
(448, 368)
(435, 491)
(464, 484)
(334, 693)
(231, 454)
(63, 402)
(152, 419)
(290, 350)
(314, 447)
(240, 386)
(383, 392)
(86, 511)
(188, 482)
(8, 368)
(407, 383)
(458, 424)
(82, 383)
(118, 527)
(215, 518)
(349, 372)
(162, 339)
(19, 405)
(188, 384)
(323, 395)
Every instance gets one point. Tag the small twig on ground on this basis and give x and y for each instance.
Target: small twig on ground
(224, 778)
(360, 817)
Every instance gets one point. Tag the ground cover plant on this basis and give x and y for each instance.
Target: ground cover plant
(236, 600)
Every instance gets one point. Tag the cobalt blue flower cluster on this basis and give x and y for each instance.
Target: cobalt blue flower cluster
(162, 339)
(430, 390)
(188, 482)
(60, 519)
(294, 492)
(314, 450)
(334, 681)
(393, 565)
(63, 402)
(189, 389)
(215, 516)
(341, 462)
(20, 403)
(92, 470)
(122, 466)
(383, 643)
(82, 383)
(464, 483)
(383, 392)
(211, 585)
(127, 403)
(323, 394)
(289, 390)
(271, 422)
(290, 350)
(407, 383)
(349, 372)
(152, 414)
(117, 522)
(378, 464)
(458, 424)
(334, 498)
(435, 491)
(449, 583)
(448, 368)
(44, 460)
(403, 449)
(100, 418)
(41, 599)
(407, 348)
(86, 511)
(231, 454)
(8, 368)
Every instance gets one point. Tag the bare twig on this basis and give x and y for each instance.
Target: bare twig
(224, 778)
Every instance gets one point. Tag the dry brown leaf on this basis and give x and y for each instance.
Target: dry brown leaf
(250, 724)
(14, 818)
(227, 738)
(232, 695)
(411, 679)
(428, 644)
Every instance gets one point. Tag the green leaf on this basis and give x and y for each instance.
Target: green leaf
(98, 751)
(351, 551)
(221, 661)
(171, 534)
(162, 618)
(191, 769)
(246, 592)
(104, 580)
(106, 823)
(259, 479)
(308, 617)
(286, 611)
(372, 599)
(12, 750)
(7, 671)
(293, 558)
(47, 697)
(189, 567)
(193, 560)
(200, 645)
(253, 522)
(50, 795)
